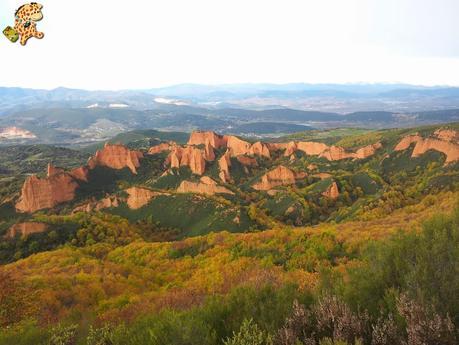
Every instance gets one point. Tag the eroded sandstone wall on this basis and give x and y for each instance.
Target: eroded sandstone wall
(280, 176)
(116, 156)
(38, 194)
(205, 186)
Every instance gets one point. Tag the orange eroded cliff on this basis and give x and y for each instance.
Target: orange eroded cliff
(367, 151)
(139, 197)
(25, 229)
(237, 146)
(80, 173)
(205, 186)
(247, 161)
(224, 164)
(331, 153)
(108, 202)
(189, 156)
(407, 141)
(201, 138)
(259, 149)
(52, 170)
(280, 176)
(444, 142)
(332, 191)
(447, 134)
(38, 194)
(161, 148)
(116, 156)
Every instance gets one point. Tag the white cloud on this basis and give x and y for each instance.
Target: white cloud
(110, 44)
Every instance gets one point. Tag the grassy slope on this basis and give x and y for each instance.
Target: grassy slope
(193, 215)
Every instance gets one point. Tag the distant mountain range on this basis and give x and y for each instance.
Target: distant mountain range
(69, 116)
(338, 98)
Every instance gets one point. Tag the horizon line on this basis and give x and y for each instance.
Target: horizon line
(216, 85)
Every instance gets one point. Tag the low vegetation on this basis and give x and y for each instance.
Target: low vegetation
(276, 287)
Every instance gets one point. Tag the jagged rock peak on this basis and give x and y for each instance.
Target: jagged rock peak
(38, 194)
(52, 170)
(190, 156)
(116, 156)
(204, 137)
(332, 191)
(224, 164)
(236, 145)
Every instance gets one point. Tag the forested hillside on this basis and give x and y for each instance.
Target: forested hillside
(324, 237)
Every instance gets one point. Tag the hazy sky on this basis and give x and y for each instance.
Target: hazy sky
(117, 44)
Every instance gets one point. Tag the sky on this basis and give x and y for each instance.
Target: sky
(139, 44)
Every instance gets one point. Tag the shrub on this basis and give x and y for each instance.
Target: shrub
(63, 335)
(249, 334)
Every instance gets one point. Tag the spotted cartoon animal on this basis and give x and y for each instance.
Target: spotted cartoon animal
(25, 23)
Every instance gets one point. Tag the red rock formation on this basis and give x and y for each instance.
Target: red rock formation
(312, 148)
(116, 157)
(161, 148)
(237, 146)
(224, 163)
(449, 148)
(290, 148)
(332, 191)
(277, 146)
(139, 197)
(280, 176)
(26, 229)
(259, 149)
(188, 156)
(406, 142)
(367, 151)
(205, 186)
(201, 138)
(108, 202)
(447, 135)
(209, 154)
(52, 170)
(247, 161)
(335, 153)
(80, 173)
(38, 194)
(332, 153)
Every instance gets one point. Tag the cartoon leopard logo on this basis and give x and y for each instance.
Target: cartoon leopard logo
(27, 17)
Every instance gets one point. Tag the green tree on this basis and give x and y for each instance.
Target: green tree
(249, 334)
